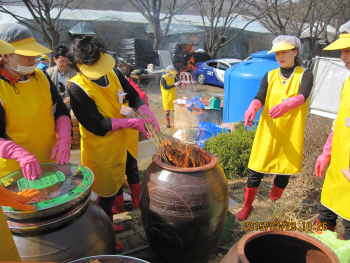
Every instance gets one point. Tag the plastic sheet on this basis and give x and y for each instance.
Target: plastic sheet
(207, 130)
(340, 247)
(195, 103)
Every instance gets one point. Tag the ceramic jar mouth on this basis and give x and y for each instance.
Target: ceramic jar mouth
(254, 236)
(214, 160)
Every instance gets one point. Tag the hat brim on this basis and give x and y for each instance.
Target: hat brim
(281, 47)
(342, 42)
(6, 48)
(174, 72)
(29, 47)
(105, 64)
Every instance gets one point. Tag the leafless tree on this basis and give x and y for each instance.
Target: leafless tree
(217, 18)
(157, 11)
(304, 18)
(40, 10)
(279, 15)
(319, 19)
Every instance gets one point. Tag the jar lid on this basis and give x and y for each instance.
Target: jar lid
(59, 184)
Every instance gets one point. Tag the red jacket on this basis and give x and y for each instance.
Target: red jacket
(141, 93)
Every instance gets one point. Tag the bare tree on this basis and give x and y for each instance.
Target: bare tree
(279, 15)
(319, 19)
(157, 11)
(305, 18)
(217, 18)
(40, 10)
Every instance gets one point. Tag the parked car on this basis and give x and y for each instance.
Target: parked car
(213, 71)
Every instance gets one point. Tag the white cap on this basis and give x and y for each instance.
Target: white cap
(285, 42)
(345, 28)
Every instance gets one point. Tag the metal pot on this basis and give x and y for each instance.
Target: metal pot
(90, 234)
(109, 259)
(184, 210)
(62, 188)
(43, 226)
(279, 246)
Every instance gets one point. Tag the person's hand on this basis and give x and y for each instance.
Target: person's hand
(321, 164)
(249, 115)
(28, 162)
(346, 173)
(63, 129)
(178, 83)
(18, 200)
(324, 158)
(282, 108)
(134, 123)
(146, 110)
(67, 101)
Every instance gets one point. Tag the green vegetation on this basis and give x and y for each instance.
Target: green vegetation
(233, 150)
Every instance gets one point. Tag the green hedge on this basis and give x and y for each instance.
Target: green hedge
(233, 150)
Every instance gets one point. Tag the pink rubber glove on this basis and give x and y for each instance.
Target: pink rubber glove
(324, 158)
(147, 111)
(30, 165)
(63, 129)
(135, 123)
(280, 109)
(249, 114)
(18, 200)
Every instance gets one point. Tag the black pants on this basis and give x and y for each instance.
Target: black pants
(328, 216)
(106, 203)
(131, 171)
(254, 179)
(132, 175)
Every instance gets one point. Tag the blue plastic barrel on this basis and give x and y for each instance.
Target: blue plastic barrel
(242, 83)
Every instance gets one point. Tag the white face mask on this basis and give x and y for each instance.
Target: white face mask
(23, 69)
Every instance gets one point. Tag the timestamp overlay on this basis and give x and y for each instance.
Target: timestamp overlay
(285, 226)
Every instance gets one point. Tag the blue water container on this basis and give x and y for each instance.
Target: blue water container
(242, 83)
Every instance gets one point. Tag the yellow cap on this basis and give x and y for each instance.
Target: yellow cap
(6, 48)
(29, 47)
(44, 57)
(281, 46)
(342, 42)
(105, 64)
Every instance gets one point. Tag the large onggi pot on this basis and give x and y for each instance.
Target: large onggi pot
(279, 246)
(65, 225)
(184, 210)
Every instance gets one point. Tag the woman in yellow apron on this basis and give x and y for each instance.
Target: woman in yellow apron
(335, 194)
(168, 89)
(8, 249)
(279, 140)
(97, 95)
(34, 122)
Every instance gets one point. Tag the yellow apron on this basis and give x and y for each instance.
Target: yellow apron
(168, 95)
(133, 142)
(8, 249)
(278, 143)
(104, 155)
(336, 189)
(30, 122)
